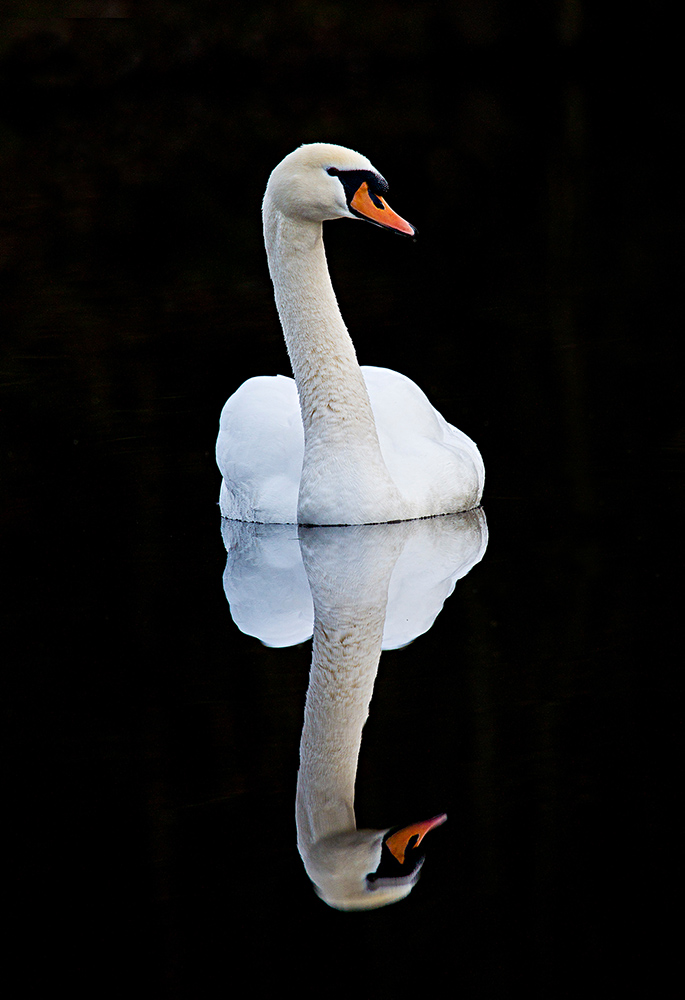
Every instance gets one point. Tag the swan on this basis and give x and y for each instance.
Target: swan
(349, 571)
(339, 444)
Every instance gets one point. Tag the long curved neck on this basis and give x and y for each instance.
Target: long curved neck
(340, 689)
(349, 577)
(339, 428)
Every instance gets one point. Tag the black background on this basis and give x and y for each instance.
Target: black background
(151, 749)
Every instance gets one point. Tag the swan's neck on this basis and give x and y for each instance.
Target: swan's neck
(343, 467)
(349, 579)
(337, 706)
(345, 654)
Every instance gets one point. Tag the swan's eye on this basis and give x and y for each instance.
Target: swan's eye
(375, 199)
(333, 171)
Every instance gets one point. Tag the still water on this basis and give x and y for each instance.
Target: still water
(516, 665)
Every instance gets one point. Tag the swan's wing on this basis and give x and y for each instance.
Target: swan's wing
(402, 411)
(405, 415)
(422, 451)
(259, 451)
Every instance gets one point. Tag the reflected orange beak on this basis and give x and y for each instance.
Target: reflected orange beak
(373, 208)
(398, 842)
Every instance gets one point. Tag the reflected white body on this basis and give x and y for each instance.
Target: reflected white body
(270, 596)
(339, 444)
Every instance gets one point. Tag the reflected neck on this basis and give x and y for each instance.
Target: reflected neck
(349, 578)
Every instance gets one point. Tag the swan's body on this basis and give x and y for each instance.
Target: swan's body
(339, 444)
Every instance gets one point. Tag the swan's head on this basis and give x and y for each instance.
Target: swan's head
(320, 181)
(365, 869)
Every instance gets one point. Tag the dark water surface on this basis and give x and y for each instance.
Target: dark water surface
(152, 747)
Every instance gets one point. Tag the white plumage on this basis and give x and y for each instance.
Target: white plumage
(339, 444)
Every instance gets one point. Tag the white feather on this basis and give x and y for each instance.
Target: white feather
(340, 444)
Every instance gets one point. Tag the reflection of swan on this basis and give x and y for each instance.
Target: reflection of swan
(373, 448)
(349, 571)
(269, 594)
(365, 587)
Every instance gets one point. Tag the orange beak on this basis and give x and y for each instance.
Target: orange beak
(399, 841)
(373, 208)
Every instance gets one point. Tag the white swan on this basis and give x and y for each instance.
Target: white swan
(362, 445)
